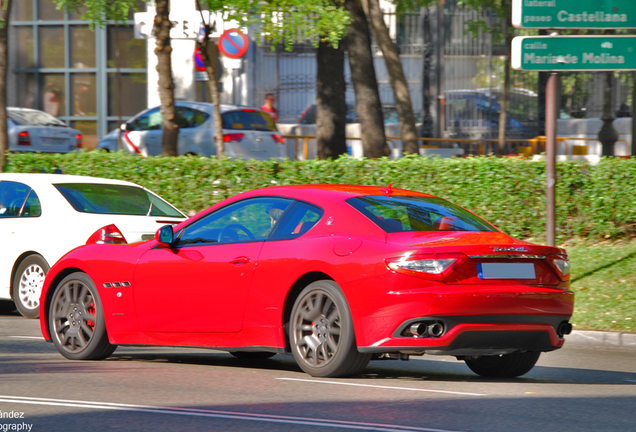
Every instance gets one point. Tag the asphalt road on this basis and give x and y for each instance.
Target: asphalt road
(157, 389)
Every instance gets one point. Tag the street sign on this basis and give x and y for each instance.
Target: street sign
(563, 14)
(574, 53)
(198, 60)
(233, 43)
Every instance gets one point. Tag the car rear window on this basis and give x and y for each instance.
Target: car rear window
(248, 120)
(115, 199)
(412, 213)
(34, 118)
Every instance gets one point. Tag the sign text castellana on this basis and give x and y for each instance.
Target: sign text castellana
(563, 14)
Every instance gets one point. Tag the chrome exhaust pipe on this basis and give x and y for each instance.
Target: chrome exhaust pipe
(435, 330)
(418, 329)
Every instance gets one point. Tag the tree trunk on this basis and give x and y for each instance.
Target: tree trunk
(163, 50)
(365, 84)
(396, 76)
(608, 135)
(213, 85)
(5, 11)
(503, 115)
(330, 102)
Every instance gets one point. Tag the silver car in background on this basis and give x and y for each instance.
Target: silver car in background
(31, 130)
(248, 133)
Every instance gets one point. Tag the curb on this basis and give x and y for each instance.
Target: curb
(601, 339)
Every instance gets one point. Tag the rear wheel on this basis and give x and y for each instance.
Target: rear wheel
(503, 366)
(321, 332)
(76, 320)
(252, 355)
(28, 283)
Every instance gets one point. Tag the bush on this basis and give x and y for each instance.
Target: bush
(592, 201)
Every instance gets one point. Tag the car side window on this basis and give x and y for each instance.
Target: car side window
(244, 221)
(32, 207)
(12, 198)
(299, 219)
(149, 121)
(190, 117)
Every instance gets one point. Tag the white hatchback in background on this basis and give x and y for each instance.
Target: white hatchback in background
(248, 133)
(43, 216)
(32, 130)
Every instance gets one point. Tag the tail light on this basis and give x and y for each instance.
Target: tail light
(233, 137)
(79, 141)
(109, 234)
(24, 138)
(435, 267)
(278, 138)
(248, 110)
(561, 264)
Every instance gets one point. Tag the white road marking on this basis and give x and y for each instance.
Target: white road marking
(28, 337)
(195, 412)
(383, 387)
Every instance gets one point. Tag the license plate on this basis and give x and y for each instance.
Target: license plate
(506, 270)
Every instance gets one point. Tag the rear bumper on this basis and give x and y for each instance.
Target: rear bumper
(473, 338)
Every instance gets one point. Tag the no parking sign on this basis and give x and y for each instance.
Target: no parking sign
(233, 43)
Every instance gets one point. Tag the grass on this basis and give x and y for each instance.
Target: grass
(603, 279)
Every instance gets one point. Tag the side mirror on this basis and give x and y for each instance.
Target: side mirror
(125, 127)
(165, 235)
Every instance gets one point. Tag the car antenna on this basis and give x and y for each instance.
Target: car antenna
(388, 191)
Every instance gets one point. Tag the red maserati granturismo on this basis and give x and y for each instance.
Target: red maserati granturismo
(336, 275)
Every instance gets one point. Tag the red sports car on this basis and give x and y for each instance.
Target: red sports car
(334, 274)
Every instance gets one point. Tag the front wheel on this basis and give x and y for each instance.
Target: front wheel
(76, 320)
(321, 332)
(503, 366)
(28, 283)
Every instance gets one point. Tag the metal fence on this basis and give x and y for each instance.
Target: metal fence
(455, 79)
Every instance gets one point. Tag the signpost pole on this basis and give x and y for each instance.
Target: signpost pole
(550, 154)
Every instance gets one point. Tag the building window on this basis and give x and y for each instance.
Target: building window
(91, 79)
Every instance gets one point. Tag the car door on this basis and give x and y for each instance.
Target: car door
(195, 137)
(18, 205)
(143, 134)
(202, 282)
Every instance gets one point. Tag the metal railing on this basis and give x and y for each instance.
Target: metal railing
(527, 147)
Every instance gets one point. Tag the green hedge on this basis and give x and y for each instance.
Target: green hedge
(592, 201)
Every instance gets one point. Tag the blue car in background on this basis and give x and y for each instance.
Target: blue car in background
(475, 114)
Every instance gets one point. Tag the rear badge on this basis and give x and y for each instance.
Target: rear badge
(509, 249)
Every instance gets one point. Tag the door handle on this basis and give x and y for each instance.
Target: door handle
(239, 261)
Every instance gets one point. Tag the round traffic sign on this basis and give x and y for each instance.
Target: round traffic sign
(198, 60)
(233, 43)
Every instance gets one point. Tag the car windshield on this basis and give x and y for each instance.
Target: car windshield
(115, 199)
(248, 120)
(414, 213)
(34, 118)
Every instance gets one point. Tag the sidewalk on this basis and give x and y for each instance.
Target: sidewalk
(601, 339)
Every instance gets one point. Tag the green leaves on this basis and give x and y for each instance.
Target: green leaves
(592, 201)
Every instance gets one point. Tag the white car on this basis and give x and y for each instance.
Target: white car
(248, 133)
(43, 216)
(32, 130)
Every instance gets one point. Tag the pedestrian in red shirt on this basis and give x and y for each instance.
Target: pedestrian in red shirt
(268, 106)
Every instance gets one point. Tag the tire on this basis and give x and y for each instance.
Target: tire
(504, 366)
(76, 320)
(27, 285)
(252, 355)
(321, 333)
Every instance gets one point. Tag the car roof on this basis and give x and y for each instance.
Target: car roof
(43, 179)
(208, 106)
(341, 190)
